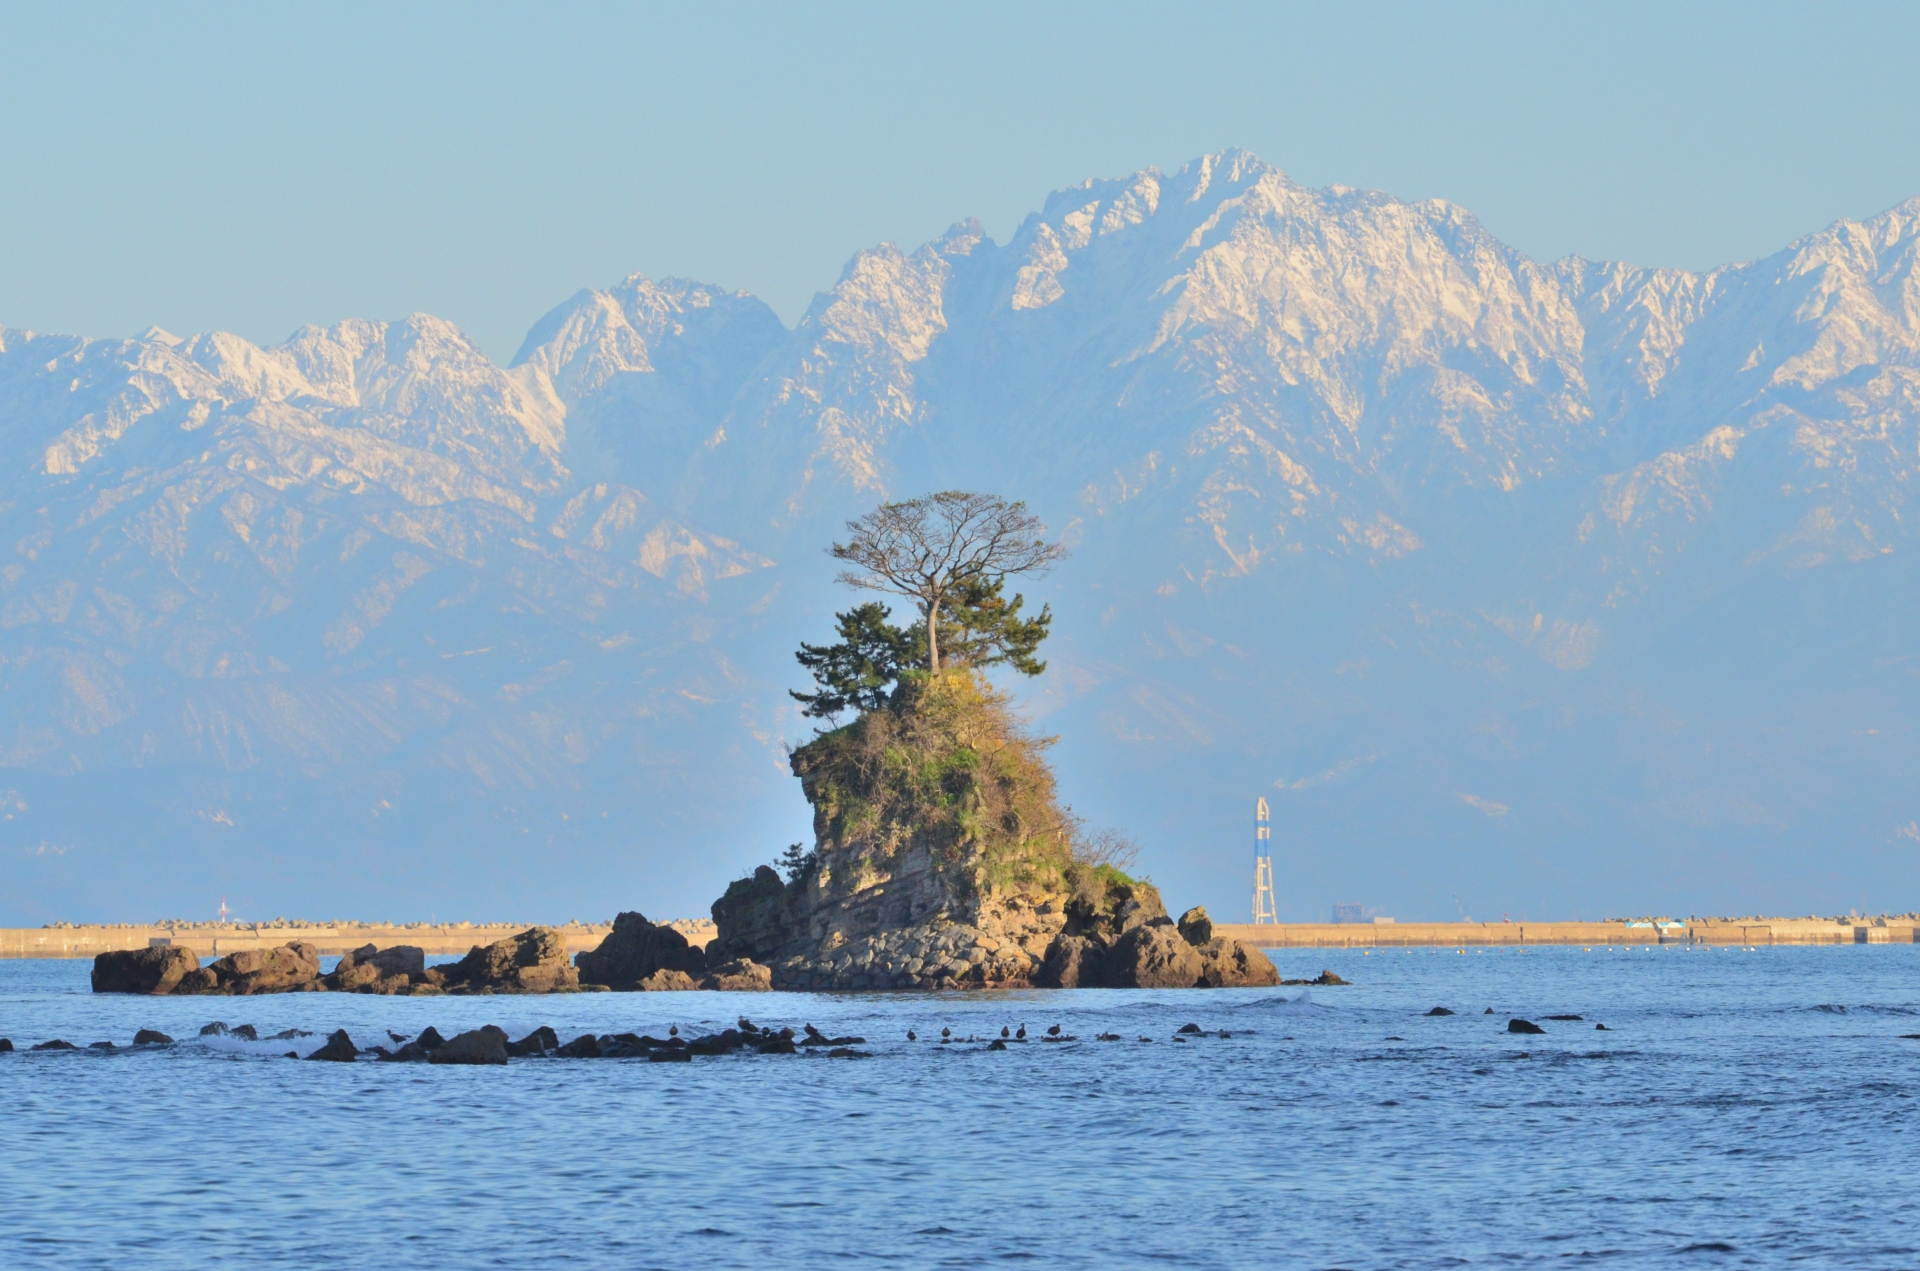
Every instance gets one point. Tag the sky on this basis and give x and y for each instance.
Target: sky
(257, 167)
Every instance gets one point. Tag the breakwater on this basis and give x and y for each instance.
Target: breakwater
(1743, 932)
(217, 940)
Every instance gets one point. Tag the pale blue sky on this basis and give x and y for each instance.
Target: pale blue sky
(254, 167)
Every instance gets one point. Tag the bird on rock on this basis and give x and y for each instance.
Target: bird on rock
(673, 1031)
(1054, 1031)
(1003, 1031)
(946, 1034)
(1022, 1034)
(397, 1037)
(746, 1025)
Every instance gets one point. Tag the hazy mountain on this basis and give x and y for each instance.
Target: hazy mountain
(1542, 588)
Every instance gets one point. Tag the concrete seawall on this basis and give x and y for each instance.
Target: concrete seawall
(1394, 935)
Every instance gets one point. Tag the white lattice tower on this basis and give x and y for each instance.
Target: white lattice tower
(1263, 910)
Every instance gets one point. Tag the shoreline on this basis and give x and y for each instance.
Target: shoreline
(454, 939)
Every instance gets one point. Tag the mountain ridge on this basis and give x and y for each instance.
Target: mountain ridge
(1354, 488)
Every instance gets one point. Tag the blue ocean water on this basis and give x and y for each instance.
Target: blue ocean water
(1743, 1108)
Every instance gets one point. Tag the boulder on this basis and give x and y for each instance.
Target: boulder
(6, 1047)
(1195, 927)
(636, 949)
(667, 981)
(151, 1037)
(754, 918)
(741, 975)
(372, 970)
(535, 961)
(1234, 964)
(143, 970)
(481, 1046)
(339, 1048)
(56, 1044)
(1073, 962)
(1152, 956)
(1439, 1010)
(292, 968)
(1327, 977)
(1517, 1025)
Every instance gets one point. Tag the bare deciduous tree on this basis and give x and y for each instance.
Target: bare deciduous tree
(926, 548)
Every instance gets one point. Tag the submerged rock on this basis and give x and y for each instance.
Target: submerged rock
(6, 1047)
(155, 971)
(151, 1037)
(1517, 1025)
(56, 1044)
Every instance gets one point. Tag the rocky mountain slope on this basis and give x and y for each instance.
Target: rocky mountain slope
(1559, 588)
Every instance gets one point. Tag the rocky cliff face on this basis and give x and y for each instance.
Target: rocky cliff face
(941, 856)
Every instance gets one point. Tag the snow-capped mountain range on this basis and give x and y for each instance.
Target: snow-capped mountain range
(1541, 588)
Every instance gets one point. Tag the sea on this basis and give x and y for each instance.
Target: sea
(1739, 1108)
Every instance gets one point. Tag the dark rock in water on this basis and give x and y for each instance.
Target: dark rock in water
(1235, 964)
(1518, 1025)
(339, 1048)
(1573, 1018)
(1152, 956)
(288, 1034)
(481, 1046)
(411, 1053)
(667, 980)
(1328, 977)
(56, 1044)
(6, 1047)
(740, 975)
(1489, 1010)
(430, 1038)
(292, 968)
(1602, 1028)
(101, 1046)
(1439, 1010)
(1073, 962)
(777, 1046)
(585, 1046)
(156, 971)
(847, 1052)
(373, 970)
(534, 961)
(151, 1037)
(636, 949)
(996, 1044)
(1191, 1030)
(245, 1032)
(215, 1029)
(671, 1055)
(1195, 927)
(538, 1042)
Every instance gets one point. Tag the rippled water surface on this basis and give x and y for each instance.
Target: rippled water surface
(1742, 1109)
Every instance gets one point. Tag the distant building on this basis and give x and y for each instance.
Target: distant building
(1349, 913)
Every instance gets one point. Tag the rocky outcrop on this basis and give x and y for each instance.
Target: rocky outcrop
(535, 961)
(157, 971)
(1122, 939)
(291, 968)
(1152, 956)
(941, 856)
(667, 980)
(151, 1037)
(635, 950)
(373, 970)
